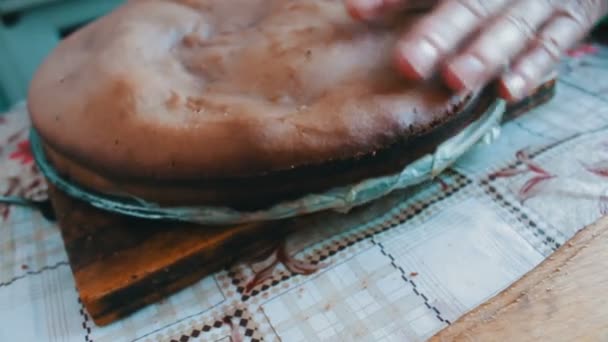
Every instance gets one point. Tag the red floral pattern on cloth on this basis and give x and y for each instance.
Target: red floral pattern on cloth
(23, 154)
(282, 256)
(539, 174)
(600, 169)
(19, 175)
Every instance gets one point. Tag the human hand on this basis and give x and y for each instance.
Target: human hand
(473, 42)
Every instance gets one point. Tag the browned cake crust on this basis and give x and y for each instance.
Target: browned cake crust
(208, 91)
(261, 191)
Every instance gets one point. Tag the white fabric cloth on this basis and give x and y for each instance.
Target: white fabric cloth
(400, 271)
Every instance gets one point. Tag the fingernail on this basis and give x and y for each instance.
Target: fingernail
(363, 9)
(465, 73)
(417, 59)
(515, 86)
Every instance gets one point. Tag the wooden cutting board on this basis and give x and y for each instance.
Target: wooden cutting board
(121, 264)
(563, 299)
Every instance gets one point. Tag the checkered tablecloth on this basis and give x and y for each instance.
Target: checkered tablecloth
(400, 270)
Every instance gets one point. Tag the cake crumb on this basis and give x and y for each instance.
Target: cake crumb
(413, 274)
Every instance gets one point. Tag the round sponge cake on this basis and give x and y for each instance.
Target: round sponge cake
(238, 103)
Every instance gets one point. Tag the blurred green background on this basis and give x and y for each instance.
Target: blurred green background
(29, 29)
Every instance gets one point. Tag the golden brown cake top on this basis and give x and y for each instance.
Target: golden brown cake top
(189, 89)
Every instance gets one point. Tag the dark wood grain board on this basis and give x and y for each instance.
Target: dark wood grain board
(122, 264)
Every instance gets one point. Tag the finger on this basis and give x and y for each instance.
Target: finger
(370, 9)
(441, 32)
(558, 35)
(585, 12)
(504, 39)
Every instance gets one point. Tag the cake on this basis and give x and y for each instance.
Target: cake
(240, 104)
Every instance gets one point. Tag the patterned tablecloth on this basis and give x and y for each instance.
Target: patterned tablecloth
(400, 270)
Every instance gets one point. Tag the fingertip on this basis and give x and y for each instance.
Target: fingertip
(465, 73)
(512, 87)
(405, 67)
(416, 59)
(362, 9)
(453, 80)
(504, 92)
(353, 10)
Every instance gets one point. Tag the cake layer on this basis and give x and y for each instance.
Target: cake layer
(259, 192)
(206, 90)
